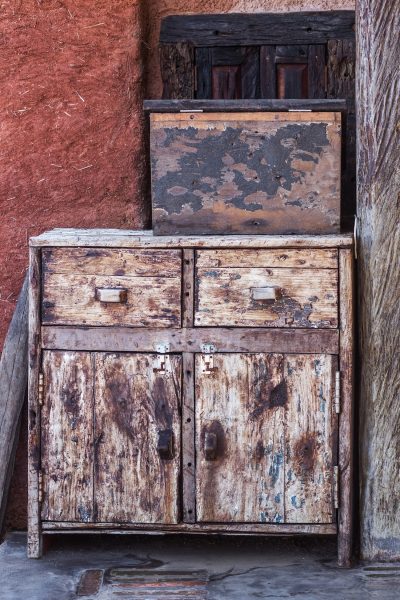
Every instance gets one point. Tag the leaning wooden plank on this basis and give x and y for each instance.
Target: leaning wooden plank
(13, 382)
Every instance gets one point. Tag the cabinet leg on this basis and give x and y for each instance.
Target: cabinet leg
(35, 544)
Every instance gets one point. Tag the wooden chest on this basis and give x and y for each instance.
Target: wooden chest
(245, 173)
(193, 384)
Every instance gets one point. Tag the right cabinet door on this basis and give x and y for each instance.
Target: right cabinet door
(266, 438)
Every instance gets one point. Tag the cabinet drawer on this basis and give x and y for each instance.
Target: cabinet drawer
(267, 288)
(90, 286)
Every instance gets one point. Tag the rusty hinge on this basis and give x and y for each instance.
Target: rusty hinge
(337, 392)
(207, 358)
(163, 364)
(40, 389)
(336, 487)
(40, 487)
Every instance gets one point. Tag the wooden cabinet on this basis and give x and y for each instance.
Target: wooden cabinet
(211, 394)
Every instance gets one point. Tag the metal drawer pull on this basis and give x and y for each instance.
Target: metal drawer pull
(210, 446)
(165, 445)
(267, 294)
(112, 295)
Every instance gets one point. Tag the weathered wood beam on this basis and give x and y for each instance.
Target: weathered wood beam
(378, 92)
(13, 382)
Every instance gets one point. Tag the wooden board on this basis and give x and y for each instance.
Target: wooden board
(13, 383)
(134, 403)
(306, 259)
(245, 173)
(309, 438)
(67, 437)
(261, 104)
(273, 419)
(117, 238)
(305, 297)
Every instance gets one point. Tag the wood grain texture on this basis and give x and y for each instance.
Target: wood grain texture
(262, 28)
(309, 442)
(188, 432)
(245, 172)
(198, 528)
(67, 436)
(117, 238)
(119, 339)
(71, 299)
(378, 92)
(346, 417)
(13, 383)
(241, 402)
(34, 542)
(306, 297)
(307, 259)
(134, 403)
(177, 66)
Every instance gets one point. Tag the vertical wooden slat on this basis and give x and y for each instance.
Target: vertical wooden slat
(188, 400)
(267, 72)
(250, 72)
(135, 402)
(177, 70)
(240, 404)
(67, 436)
(203, 71)
(308, 439)
(316, 70)
(346, 447)
(34, 547)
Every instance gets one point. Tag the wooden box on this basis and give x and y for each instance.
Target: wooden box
(245, 172)
(190, 384)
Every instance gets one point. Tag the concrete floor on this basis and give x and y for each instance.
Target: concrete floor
(238, 568)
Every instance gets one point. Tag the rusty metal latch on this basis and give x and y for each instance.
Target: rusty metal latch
(163, 364)
(336, 487)
(165, 445)
(337, 392)
(207, 358)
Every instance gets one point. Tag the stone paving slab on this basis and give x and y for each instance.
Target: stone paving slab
(216, 567)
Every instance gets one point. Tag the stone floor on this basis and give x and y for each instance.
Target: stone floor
(213, 568)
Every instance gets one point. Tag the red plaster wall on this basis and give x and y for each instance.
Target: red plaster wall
(71, 127)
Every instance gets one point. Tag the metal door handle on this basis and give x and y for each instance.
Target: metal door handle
(112, 295)
(210, 446)
(266, 294)
(165, 445)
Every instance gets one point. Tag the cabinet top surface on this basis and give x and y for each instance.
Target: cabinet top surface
(121, 238)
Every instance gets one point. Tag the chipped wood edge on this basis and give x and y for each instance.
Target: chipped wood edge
(34, 547)
(191, 339)
(251, 528)
(346, 448)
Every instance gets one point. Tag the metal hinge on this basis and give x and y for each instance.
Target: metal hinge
(336, 487)
(163, 364)
(337, 392)
(40, 487)
(207, 358)
(40, 389)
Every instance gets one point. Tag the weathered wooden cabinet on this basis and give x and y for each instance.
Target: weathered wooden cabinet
(190, 384)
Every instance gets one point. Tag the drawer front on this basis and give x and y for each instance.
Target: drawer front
(267, 288)
(92, 286)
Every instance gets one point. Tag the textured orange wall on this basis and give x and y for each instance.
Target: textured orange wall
(158, 9)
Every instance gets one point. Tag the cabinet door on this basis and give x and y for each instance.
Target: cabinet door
(67, 436)
(265, 438)
(137, 438)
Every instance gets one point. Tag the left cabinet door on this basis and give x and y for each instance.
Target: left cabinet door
(110, 437)
(67, 448)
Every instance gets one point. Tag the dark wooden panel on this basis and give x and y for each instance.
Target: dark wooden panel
(292, 80)
(267, 72)
(316, 71)
(262, 28)
(177, 66)
(250, 72)
(267, 104)
(226, 56)
(203, 71)
(291, 53)
(245, 173)
(226, 82)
